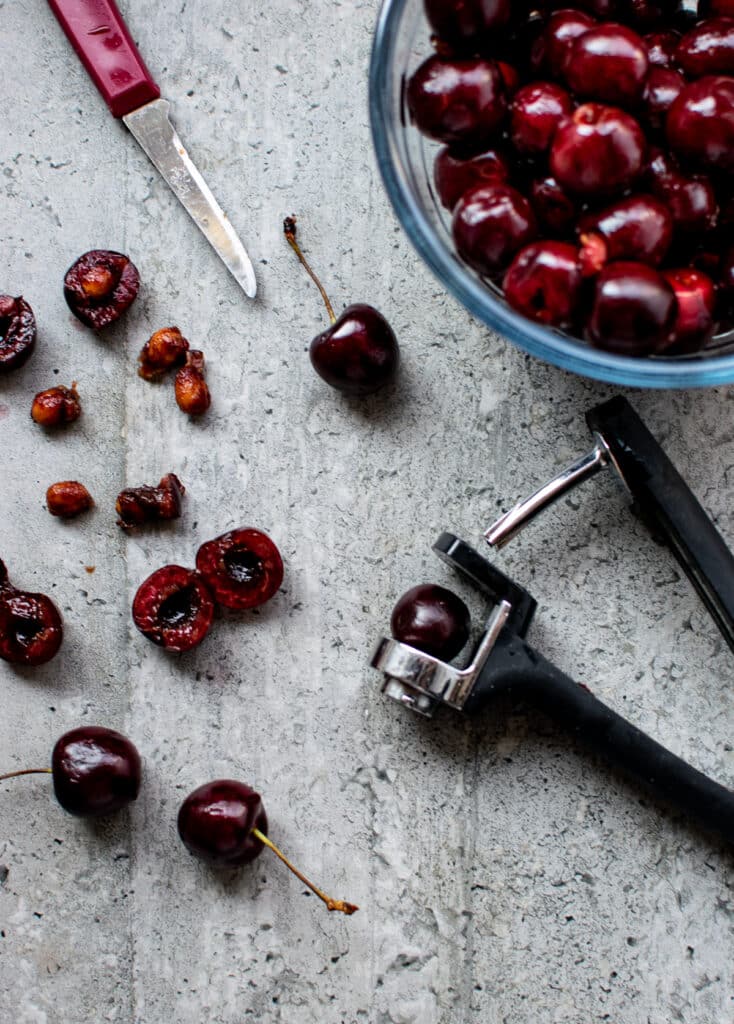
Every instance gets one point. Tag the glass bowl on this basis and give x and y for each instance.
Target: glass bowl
(402, 41)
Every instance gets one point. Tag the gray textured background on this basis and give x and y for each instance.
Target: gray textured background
(504, 878)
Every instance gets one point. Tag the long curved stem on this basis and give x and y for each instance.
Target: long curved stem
(342, 905)
(289, 230)
(25, 771)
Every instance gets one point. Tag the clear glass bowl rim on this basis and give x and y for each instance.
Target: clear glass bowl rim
(533, 338)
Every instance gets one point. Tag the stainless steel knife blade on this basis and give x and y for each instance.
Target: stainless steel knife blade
(151, 126)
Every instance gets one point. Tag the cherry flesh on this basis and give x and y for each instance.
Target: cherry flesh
(695, 293)
(454, 174)
(164, 350)
(96, 771)
(465, 21)
(174, 608)
(491, 223)
(700, 125)
(537, 110)
(633, 311)
(708, 49)
(598, 151)
(138, 505)
(17, 332)
(432, 619)
(191, 388)
(544, 283)
(457, 101)
(637, 228)
(68, 499)
(224, 823)
(359, 353)
(55, 407)
(100, 286)
(609, 63)
(31, 628)
(242, 568)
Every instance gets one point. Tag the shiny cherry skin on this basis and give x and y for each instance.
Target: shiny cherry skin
(700, 125)
(174, 608)
(536, 112)
(95, 771)
(662, 89)
(491, 223)
(638, 228)
(691, 199)
(216, 822)
(31, 628)
(454, 174)
(661, 47)
(243, 568)
(358, 354)
(465, 22)
(608, 63)
(544, 283)
(431, 619)
(634, 310)
(457, 101)
(695, 293)
(708, 49)
(562, 29)
(555, 210)
(598, 151)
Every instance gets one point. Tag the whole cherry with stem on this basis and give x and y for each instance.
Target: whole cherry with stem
(224, 823)
(358, 354)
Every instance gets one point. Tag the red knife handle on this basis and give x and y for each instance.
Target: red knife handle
(100, 37)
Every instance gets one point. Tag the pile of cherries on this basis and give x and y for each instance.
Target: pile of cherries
(588, 159)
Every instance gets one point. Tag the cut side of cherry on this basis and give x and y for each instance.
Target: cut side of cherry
(243, 568)
(31, 629)
(174, 608)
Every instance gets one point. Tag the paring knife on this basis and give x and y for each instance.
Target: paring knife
(100, 37)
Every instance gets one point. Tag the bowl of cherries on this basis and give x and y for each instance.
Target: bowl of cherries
(566, 168)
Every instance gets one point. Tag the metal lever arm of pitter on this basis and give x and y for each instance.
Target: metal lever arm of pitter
(669, 508)
(516, 669)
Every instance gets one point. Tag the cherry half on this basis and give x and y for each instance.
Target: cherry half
(174, 608)
(431, 619)
(359, 353)
(224, 823)
(95, 771)
(100, 286)
(243, 568)
(17, 332)
(31, 628)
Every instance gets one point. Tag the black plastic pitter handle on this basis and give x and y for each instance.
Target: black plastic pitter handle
(669, 508)
(516, 669)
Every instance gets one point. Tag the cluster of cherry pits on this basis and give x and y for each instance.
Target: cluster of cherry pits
(589, 147)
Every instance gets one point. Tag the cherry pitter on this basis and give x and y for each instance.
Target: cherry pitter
(504, 664)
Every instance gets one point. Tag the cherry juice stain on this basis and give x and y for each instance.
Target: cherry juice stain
(4, 411)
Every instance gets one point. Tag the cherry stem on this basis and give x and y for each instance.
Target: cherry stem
(342, 905)
(26, 771)
(289, 230)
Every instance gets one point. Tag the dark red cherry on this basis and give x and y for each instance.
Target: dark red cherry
(17, 332)
(491, 223)
(645, 14)
(602, 9)
(544, 283)
(661, 47)
(598, 151)
(510, 78)
(466, 22)
(432, 619)
(716, 8)
(243, 568)
(695, 293)
(726, 272)
(460, 102)
(174, 608)
(662, 89)
(563, 28)
(700, 126)
(691, 200)
(708, 49)
(554, 209)
(634, 310)
(100, 286)
(359, 353)
(454, 173)
(608, 63)
(216, 822)
(31, 628)
(536, 112)
(637, 228)
(96, 771)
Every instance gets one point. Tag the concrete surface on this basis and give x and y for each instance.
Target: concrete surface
(503, 876)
